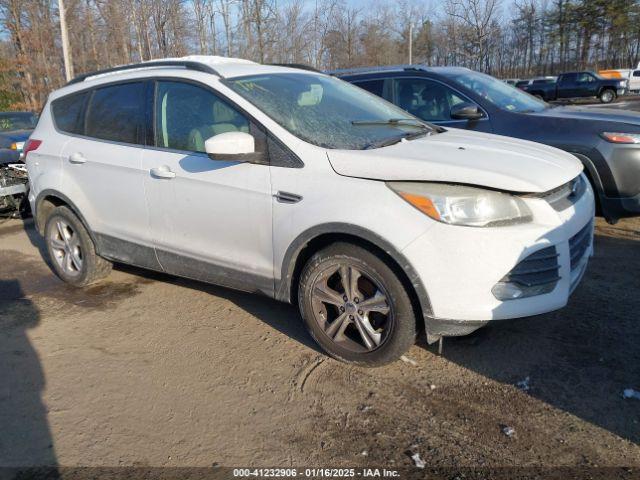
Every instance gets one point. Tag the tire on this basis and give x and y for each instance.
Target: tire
(65, 233)
(607, 96)
(356, 330)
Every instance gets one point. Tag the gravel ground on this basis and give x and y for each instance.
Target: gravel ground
(146, 369)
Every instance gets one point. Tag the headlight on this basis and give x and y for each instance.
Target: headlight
(614, 137)
(17, 146)
(623, 83)
(460, 205)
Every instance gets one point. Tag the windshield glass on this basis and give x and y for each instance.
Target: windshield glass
(502, 95)
(328, 112)
(17, 121)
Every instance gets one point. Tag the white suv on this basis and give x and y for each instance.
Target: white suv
(305, 188)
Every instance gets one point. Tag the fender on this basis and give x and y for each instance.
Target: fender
(593, 172)
(63, 198)
(284, 284)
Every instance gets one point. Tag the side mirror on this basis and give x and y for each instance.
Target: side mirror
(466, 111)
(234, 146)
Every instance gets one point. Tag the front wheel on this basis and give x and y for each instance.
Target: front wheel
(607, 96)
(355, 306)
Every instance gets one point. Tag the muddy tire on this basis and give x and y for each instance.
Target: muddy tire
(71, 251)
(355, 306)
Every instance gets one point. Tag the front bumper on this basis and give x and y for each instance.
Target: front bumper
(459, 266)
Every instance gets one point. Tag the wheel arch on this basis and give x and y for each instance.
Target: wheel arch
(608, 87)
(317, 238)
(49, 199)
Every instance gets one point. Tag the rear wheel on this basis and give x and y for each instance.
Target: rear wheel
(607, 96)
(71, 251)
(355, 306)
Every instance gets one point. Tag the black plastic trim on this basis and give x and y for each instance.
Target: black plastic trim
(299, 66)
(284, 284)
(202, 271)
(127, 252)
(60, 196)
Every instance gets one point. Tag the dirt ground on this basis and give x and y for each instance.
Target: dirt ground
(150, 370)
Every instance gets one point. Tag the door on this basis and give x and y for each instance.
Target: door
(586, 85)
(103, 165)
(432, 101)
(634, 80)
(567, 85)
(210, 219)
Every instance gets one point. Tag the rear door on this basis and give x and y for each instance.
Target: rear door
(210, 219)
(567, 85)
(102, 171)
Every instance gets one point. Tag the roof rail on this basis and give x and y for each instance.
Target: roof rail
(198, 66)
(384, 68)
(299, 66)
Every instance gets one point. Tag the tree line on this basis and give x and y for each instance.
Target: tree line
(506, 38)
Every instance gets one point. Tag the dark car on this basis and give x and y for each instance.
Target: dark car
(606, 141)
(15, 128)
(578, 85)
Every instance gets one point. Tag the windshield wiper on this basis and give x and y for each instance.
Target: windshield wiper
(398, 138)
(405, 122)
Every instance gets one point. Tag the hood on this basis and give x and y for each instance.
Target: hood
(587, 113)
(461, 156)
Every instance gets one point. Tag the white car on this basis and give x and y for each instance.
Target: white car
(305, 188)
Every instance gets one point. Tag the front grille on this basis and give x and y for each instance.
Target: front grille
(564, 196)
(539, 268)
(579, 244)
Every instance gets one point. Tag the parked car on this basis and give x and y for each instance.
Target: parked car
(305, 188)
(535, 81)
(578, 85)
(606, 141)
(15, 128)
(511, 81)
(632, 76)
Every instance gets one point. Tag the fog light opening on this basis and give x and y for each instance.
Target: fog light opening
(506, 291)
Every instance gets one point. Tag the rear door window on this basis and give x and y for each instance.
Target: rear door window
(68, 113)
(568, 78)
(116, 113)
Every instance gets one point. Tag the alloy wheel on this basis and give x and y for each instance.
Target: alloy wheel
(352, 308)
(66, 249)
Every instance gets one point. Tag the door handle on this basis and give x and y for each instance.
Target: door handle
(77, 157)
(162, 172)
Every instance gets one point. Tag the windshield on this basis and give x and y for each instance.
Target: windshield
(502, 95)
(328, 112)
(17, 121)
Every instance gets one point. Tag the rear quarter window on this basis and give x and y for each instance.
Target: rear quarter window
(68, 113)
(116, 113)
